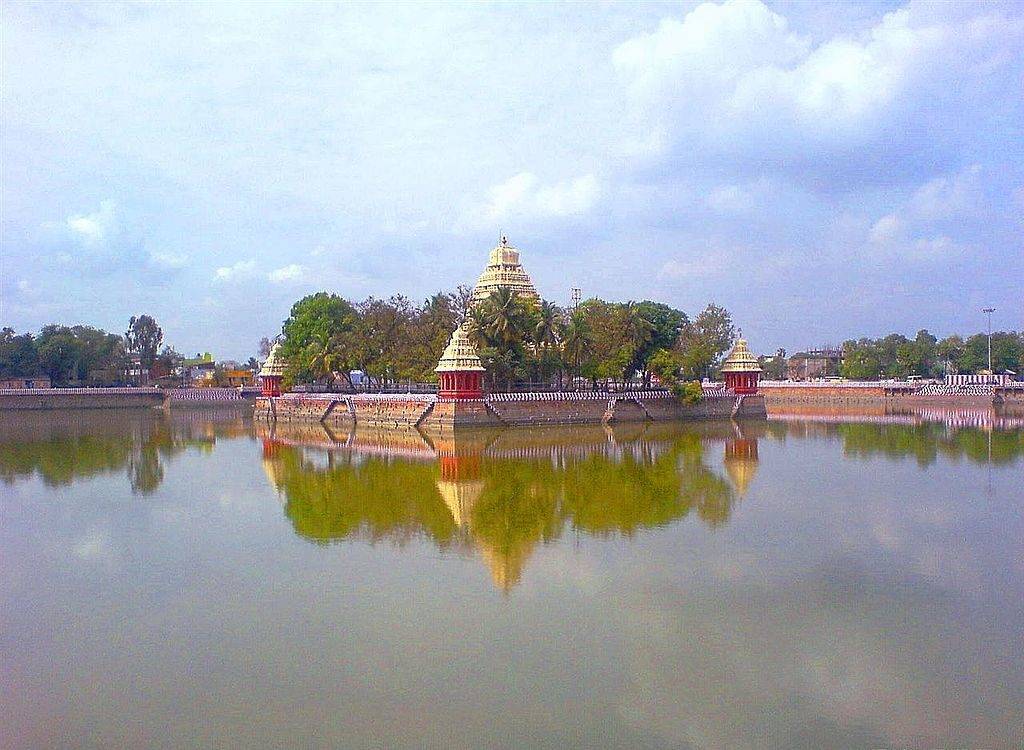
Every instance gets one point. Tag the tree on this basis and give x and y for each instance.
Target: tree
(58, 353)
(143, 339)
(951, 351)
(774, 368)
(319, 337)
(382, 336)
(97, 350)
(166, 362)
(666, 323)
(860, 361)
(502, 326)
(432, 325)
(576, 350)
(264, 347)
(18, 356)
(611, 349)
(703, 342)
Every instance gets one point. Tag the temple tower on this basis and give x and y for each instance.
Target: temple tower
(459, 372)
(741, 370)
(272, 372)
(504, 270)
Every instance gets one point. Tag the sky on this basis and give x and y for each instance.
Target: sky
(823, 171)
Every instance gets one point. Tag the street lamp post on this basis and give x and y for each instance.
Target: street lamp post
(988, 311)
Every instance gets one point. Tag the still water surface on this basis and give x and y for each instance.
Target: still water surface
(194, 580)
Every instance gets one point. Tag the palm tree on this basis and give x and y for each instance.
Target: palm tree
(545, 332)
(477, 326)
(324, 357)
(575, 342)
(504, 315)
(638, 331)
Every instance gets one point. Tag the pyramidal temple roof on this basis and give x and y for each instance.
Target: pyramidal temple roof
(740, 359)
(460, 354)
(275, 364)
(504, 269)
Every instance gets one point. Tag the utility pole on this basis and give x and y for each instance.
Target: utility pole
(575, 293)
(988, 311)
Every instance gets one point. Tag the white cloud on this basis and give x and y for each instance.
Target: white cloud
(737, 198)
(568, 198)
(241, 269)
(885, 229)
(889, 238)
(292, 272)
(949, 195)
(92, 229)
(734, 74)
(708, 265)
(910, 231)
(168, 260)
(935, 248)
(523, 196)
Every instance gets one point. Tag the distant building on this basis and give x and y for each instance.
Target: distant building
(24, 383)
(238, 378)
(198, 370)
(137, 374)
(823, 362)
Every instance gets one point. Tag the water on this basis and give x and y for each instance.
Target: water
(195, 581)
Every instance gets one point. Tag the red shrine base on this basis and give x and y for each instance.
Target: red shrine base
(270, 385)
(460, 385)
(742, 383)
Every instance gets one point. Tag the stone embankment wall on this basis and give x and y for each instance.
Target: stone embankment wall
(872, 395)
(79, 398)
(503, 409)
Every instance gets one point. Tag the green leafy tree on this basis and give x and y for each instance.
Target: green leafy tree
(860, 361)
(18, 355)
(950, 351)
(703, 342)
(383, 338)
(776, 367)
(666, 325)
(576, 351)
(58, 351)
(143, 339)
(319, 338)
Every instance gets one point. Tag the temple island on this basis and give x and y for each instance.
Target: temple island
(462, 401)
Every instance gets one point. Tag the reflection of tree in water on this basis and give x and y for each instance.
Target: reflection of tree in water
(63, 448)
(923, 442)
(357, 496)
(503, 507)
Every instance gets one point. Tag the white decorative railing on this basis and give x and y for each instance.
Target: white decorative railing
(80, 391)
(575, 395)
(712, 393)
(205, 394)
(812, 384)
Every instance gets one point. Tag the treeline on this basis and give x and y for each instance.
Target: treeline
(81, 354)
(519, 340)
(896, 356)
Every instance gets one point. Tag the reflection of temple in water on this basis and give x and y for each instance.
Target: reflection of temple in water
(741, 462)
(500, 493)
